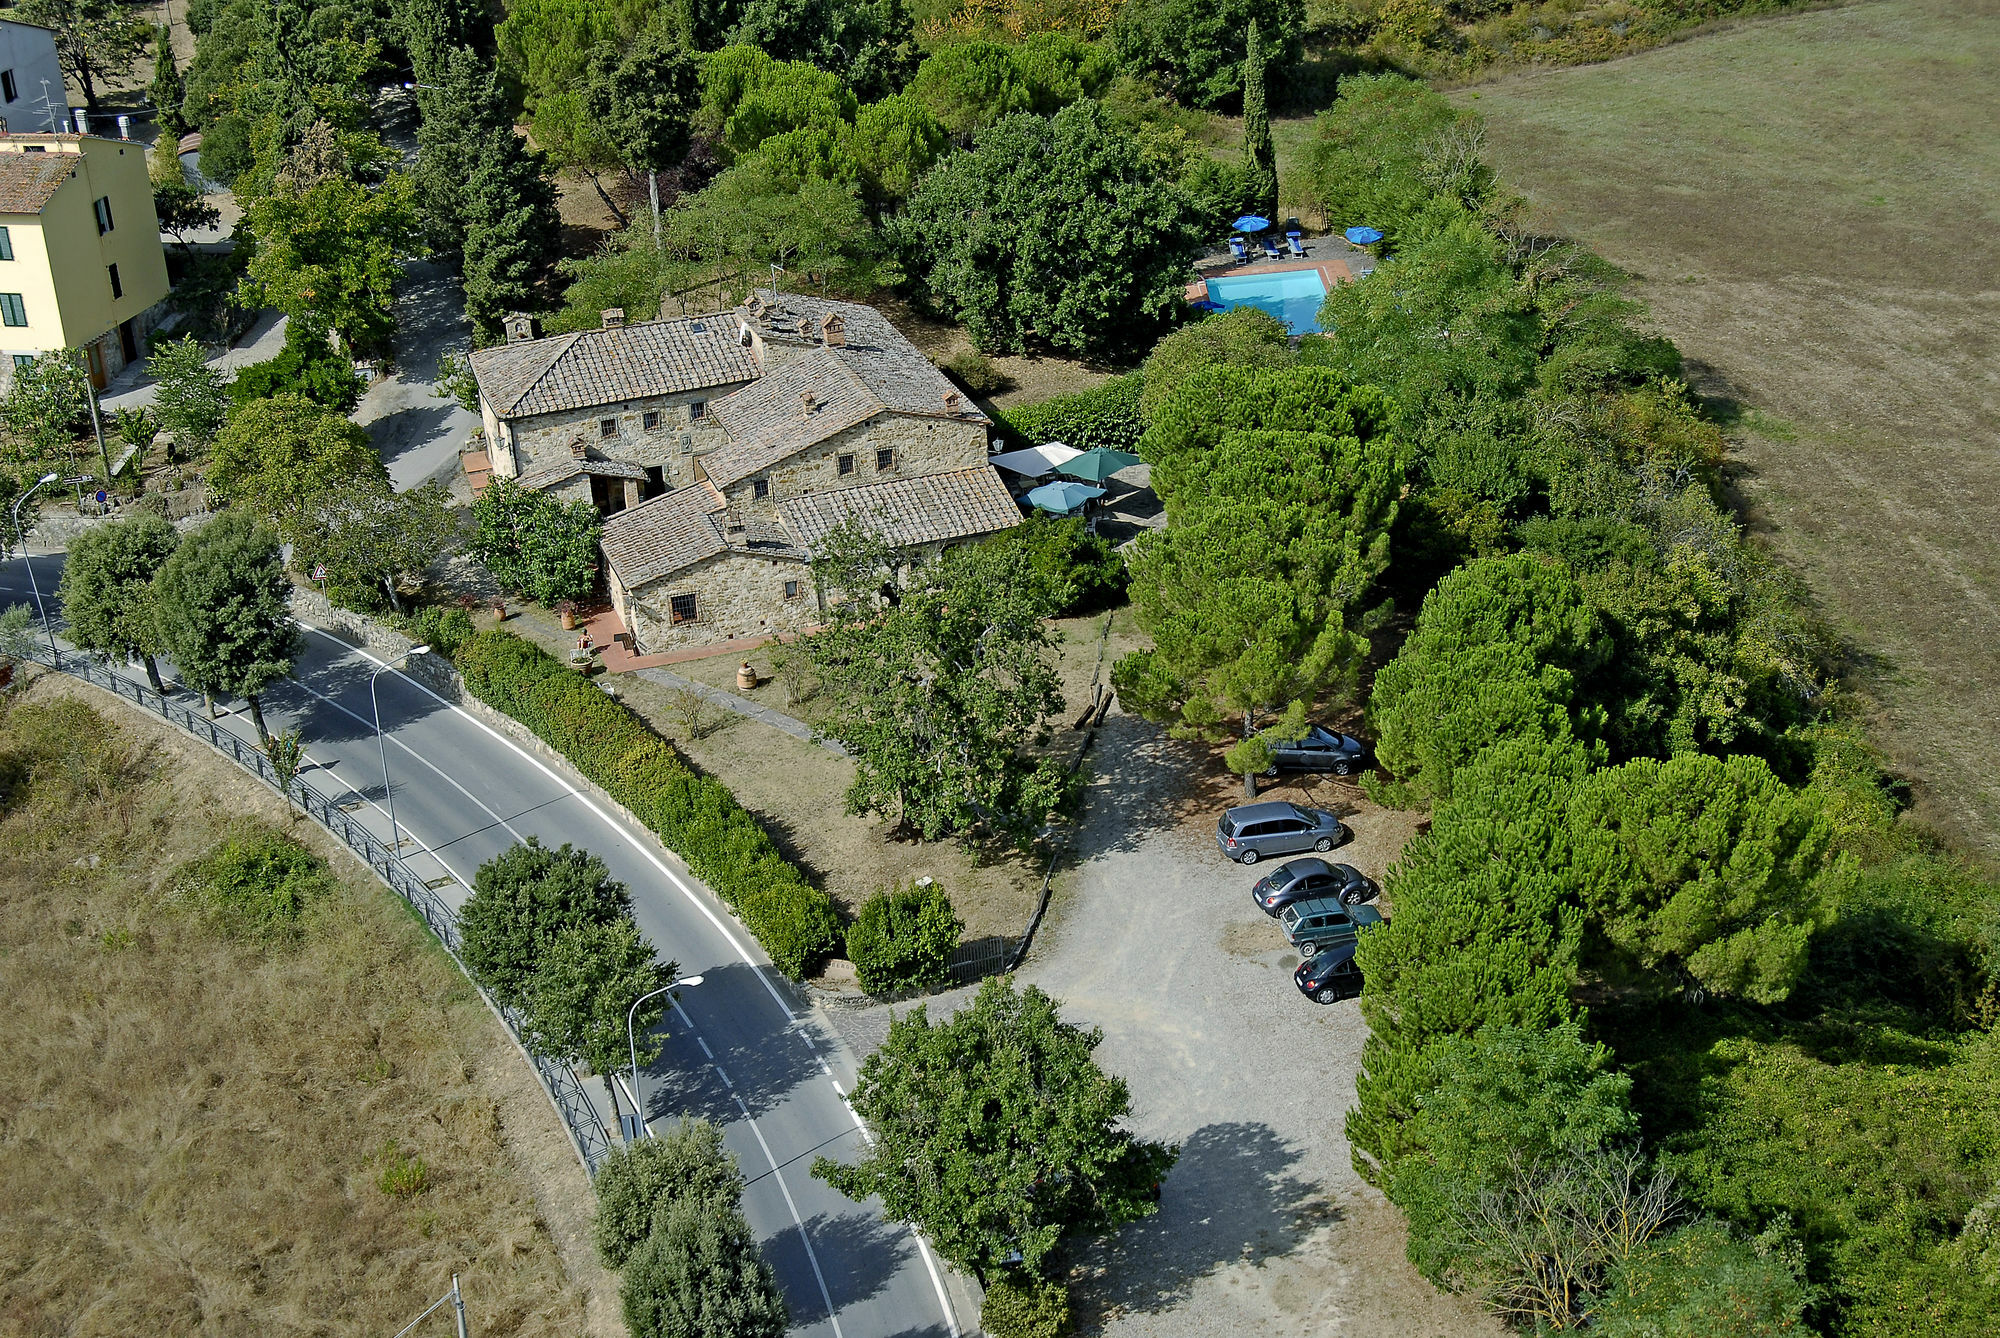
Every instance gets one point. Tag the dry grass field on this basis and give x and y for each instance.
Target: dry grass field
(1812, 206)
(198, 1130)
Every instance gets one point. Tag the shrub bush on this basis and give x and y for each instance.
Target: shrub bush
(1025, 1308)
(977, 372)
(699, 1275)
(687, 1164)
(695, 815)
(443, 629)
(903, 939)
(258, 883)
(1107, 415)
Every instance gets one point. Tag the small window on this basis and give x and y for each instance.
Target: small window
(6, 245)
(885, 460)
(103, 208)
(117, 288)
(760, 488)
(607, 427)
(682, 608)
(24, 360)
(650, 421)
(8, 88)
(791, 589)
(34, 148)
(13, 311)
(847, 464)
(697, 410)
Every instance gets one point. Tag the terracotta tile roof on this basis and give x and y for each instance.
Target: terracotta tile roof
(767, 420)
(626, 362)
(665, 534)
(28, 181)
(924, 509)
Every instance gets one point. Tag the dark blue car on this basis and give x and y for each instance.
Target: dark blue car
(1330, 976)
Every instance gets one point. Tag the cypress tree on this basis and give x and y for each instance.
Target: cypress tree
(167, 91)
(510, 231)
(1260, 156)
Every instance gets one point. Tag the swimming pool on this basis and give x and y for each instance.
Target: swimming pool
(1293, 296)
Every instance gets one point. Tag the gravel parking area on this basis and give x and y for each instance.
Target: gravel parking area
(1263, 1226)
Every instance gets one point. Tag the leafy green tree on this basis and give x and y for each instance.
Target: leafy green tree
(1505, 1097)
(280, 456)
(1709, 871)
(686, 1164)
(523, 900)
(376, 541)
(308, 366)
(167, 87)
(181, 210)
(224, 610)
(868, 43)
(1241, 337)
(895, 142)
(462, 108)
(1194, 52)
(903, 938)
(997, 1133)
(699, 1275)
(971, 85)
(510, 231)
(190, 398)
(641, 100)
(1260, 155)
(434, 31)
(1498, 650)
(286, 752)
(107, 588)
(1061, 68)
(1389, 148)
(1702, 1282)
(1052, 230)
(758, 214)
(329, 248)
(1280, 488)
(48, 403)
(586, 979)
(96, 40)
(747, 97)
(535, 544)
(938, 697)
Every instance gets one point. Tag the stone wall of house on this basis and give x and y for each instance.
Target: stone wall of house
(544, 440)
(920, 446)
(736, 594)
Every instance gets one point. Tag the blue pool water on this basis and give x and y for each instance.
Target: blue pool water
(1293, 296)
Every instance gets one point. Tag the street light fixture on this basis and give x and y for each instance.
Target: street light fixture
(395, 836)
(29, 562)
(632, 1040)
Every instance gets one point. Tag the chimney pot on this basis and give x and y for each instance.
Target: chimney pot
(520, 326)
(613, 317)
(577, 448)
(951, 401)
(808, 401)
(833, 330)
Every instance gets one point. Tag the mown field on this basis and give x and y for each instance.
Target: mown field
(209, 1130)
(1812, 207)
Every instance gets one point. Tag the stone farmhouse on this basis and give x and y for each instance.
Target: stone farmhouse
(722, 448)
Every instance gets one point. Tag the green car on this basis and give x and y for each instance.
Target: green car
(1322, 922)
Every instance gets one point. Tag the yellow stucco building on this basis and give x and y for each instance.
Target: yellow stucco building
(81, 264)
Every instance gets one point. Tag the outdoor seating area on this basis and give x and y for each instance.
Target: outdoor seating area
(1077, 481)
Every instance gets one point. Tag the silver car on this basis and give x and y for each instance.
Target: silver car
(1252, 831)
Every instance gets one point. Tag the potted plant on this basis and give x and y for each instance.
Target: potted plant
(566, 610)
(499, 607)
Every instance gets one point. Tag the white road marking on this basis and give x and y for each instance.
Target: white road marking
(812, 1256)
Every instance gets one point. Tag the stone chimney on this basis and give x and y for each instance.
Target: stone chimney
(520, 326)
(808, 401)
(951, 401)
(833, 330)
(577, 448)
(613, 317)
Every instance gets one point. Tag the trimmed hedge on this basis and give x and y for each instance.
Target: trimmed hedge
(903, 939)
(1105, 416)
(695, 815)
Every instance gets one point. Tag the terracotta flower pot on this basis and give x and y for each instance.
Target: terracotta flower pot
(568, 620)
(746, 677)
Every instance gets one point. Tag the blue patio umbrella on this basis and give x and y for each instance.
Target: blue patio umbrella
(1063, 497)
(1251, 223)
(1364, 236)
(1097, 464)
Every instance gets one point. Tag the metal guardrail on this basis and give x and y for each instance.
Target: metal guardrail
(586, 1133)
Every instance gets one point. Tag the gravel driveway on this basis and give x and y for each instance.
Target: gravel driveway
(1263, 1226)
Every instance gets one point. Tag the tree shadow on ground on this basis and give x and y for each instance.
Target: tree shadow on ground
(1230, 1199)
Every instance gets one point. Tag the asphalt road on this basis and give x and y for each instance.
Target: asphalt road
(740, 1049)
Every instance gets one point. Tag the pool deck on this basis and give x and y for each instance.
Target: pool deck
(1332, 267)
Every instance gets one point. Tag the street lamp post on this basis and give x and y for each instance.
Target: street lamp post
(29, 562)
(632, 1040)
(395, 836)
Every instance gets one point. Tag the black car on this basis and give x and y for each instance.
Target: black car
(1330, 976)
(1320, 749)
(1295, 880)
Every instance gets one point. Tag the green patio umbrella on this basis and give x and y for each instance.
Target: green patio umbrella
(1098, 464)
